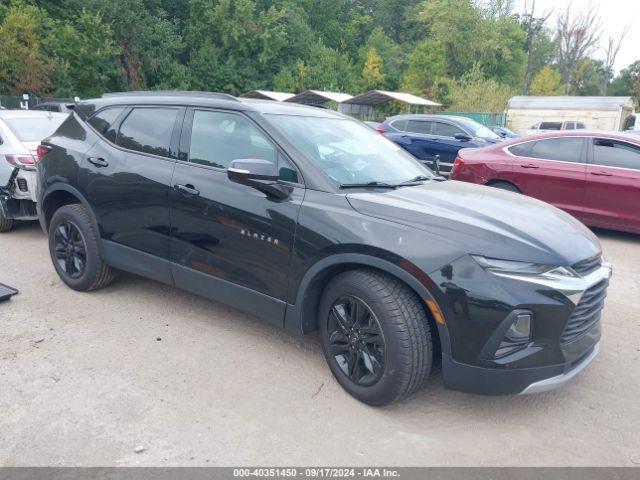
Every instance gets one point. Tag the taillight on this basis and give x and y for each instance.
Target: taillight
(458, 162)
(380, 128)
(24, 162)
(42, 151)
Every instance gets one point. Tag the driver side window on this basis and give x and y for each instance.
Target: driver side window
(218, 138)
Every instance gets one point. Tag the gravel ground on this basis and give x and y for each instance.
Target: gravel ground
(144, 374)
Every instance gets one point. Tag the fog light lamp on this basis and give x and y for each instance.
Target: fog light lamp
(518, 335)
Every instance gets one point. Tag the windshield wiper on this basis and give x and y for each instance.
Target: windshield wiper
(368, 184)
(415, 180)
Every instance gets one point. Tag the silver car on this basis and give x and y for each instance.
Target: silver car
(21, 132)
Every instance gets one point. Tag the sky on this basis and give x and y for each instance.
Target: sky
(615, 14)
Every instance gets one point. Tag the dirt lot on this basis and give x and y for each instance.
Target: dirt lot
(85, 379)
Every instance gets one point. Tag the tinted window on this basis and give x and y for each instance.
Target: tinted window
(612, 153)
(521, 150)
(104, 119)
(148, 130)
(550, 126)
(580, 126)
(568, 149)
(286, 171)
(418, 126)
(218, 138)
(570, 126)
(446, 130)
(400, 125)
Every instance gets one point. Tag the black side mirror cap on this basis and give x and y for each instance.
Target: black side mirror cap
(462, 137)
(259, 174)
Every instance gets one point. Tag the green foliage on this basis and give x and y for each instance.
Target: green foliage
(475, 92)
(467, 54)
(547, 82)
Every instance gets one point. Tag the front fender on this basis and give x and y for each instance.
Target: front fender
(301, 317)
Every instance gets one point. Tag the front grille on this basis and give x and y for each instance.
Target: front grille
(587, 312)
(587, 266)
(22, 185)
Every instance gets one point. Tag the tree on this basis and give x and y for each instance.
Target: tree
(426, 64)
(577, 35)
(474, 92)
(534, 28)
(23, 67)
(547, 82)
(628, 82)
(372, 70)
(611, 53)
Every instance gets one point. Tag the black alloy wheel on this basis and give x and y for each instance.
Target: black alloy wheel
(356, 341)
(70, 250)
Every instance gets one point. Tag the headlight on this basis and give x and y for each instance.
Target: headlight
(524, 268)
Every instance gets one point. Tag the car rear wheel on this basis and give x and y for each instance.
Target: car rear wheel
(6, 224)
(510, 187)
(75, 250)
(375, 336)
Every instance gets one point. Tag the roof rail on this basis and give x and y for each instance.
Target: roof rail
(160, 93)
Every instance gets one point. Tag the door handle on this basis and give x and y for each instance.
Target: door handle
(187, 190)
(602, 174)
(98, 162)
(529, 165)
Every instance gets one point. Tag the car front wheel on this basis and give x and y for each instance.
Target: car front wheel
(6, 224)
(375, 336)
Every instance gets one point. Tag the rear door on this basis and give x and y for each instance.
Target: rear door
(417, 139)
(126, 177)
(613, 184)
(553, 170)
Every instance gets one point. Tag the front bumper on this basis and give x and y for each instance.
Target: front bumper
(481, 309)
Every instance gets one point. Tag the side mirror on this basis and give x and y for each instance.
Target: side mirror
(259, 174)
(463, 137)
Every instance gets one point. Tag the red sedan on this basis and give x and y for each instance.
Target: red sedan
(594, 176)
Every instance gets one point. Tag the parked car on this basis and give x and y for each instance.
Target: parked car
(428, 136)
(503, 132)
(20, 134)
(53, 106)
(311, 220)
(542, 127)
(632, 132)
(593, 176)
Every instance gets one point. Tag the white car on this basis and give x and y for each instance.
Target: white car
(543, 127)
(21, 131)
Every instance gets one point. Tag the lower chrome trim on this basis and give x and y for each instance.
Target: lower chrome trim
(560, 380)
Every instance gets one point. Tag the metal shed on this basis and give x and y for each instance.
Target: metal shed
(597, 113)
(268, 95)
(319, 97)
(362, 105)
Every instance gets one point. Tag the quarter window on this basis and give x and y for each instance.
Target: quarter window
(419, 126)
(218, 138)
(521, 150)
(612, 153)
(446, 130)
(567, 149)
(148, 130)
(103, 121)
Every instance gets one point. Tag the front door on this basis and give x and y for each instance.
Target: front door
(554, 171)
(229, 241)
(613, 184)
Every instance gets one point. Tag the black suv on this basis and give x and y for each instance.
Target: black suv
(311, 220)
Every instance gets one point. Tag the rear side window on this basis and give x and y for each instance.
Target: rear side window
(550, 126)
(521, 150)
(612, 153)
(419, 126)
(104, 120)
(567, 149)
(148, 130)
(400, 125)
(446, 130)
(218, 138)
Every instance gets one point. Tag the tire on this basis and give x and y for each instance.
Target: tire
(75, 221)
(6, 224)
(510, 187)
(407, 350)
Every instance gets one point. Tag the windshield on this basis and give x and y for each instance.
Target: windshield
(30, 129)
(348, 151)
(477, 129)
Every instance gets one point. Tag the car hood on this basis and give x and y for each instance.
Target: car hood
(484, 221)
